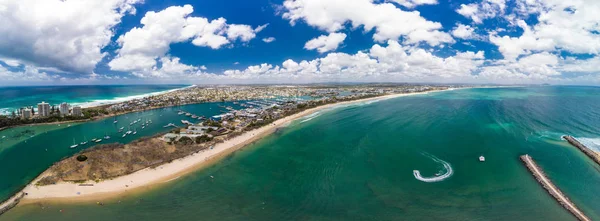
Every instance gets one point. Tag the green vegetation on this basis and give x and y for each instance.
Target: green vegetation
(185, 141)
(203, 138)
(82, 158)
(14, 120)
(212, 123)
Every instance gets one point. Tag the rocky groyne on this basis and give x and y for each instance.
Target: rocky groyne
(12, 202)
(552, 189)
(587, 151)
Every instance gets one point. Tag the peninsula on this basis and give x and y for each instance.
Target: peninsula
(113, 169)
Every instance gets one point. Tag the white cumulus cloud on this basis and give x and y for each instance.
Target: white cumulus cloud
(268, 39)
(66, 35)
(325, 43)
(389, 21)
(144, 50)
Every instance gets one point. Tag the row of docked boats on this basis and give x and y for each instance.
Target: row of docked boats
(94, 140)
(188, 114)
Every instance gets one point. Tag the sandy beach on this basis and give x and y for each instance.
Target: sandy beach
(143, 179)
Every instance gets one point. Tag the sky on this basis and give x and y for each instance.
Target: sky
(82, 42)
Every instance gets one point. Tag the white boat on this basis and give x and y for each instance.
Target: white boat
(129, 132)
(98, 140)
(481, 158)
(106, 137)
(74, 144)
(143, 127)
(135, 132)
(125, 134)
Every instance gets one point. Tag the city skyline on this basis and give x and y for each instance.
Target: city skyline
(299, 41)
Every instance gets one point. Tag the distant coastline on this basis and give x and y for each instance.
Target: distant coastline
(98, 103)
(5, 111)
(101, 103)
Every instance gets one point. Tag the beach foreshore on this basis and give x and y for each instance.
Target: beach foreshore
(143, 179)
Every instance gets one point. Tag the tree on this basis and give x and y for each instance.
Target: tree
(203, 138)
(185, 141)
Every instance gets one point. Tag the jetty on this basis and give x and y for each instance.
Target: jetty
(11, 203)
(539, 175)
(587, 151)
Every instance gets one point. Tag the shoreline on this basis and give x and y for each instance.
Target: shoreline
(148, 178)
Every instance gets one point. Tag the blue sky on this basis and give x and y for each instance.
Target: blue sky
(52, 42)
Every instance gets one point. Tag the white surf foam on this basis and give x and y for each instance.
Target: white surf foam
(446, 175)
(101, 102)
(5, 111)
(592, 143)
(311, 116)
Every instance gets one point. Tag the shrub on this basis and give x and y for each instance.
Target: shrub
(203, 138)
(186, 141)
(82, 158)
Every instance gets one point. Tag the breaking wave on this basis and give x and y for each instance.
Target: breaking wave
(592, 143)
(5, 111)
(115, 100)
(447, 174)
(311, 116)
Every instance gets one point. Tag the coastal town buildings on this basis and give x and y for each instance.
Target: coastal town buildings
(76, 111)
(43, 109)
(26, 113)
(64, 109)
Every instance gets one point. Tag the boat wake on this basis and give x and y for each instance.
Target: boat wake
(448, 171)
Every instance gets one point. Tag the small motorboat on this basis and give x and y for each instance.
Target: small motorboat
(481, 159)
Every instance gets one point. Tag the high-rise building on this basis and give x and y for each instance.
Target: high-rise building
(76, 111)
(64, 109)
(26, 113)
(44, 109)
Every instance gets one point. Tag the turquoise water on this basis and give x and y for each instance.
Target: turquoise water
(32, 156)
(356, 163)
(17, 97)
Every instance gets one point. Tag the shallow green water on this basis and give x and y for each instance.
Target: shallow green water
(32, 154)
(357, 162)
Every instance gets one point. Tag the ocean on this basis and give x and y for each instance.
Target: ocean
(86, 95)
(359, 162)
